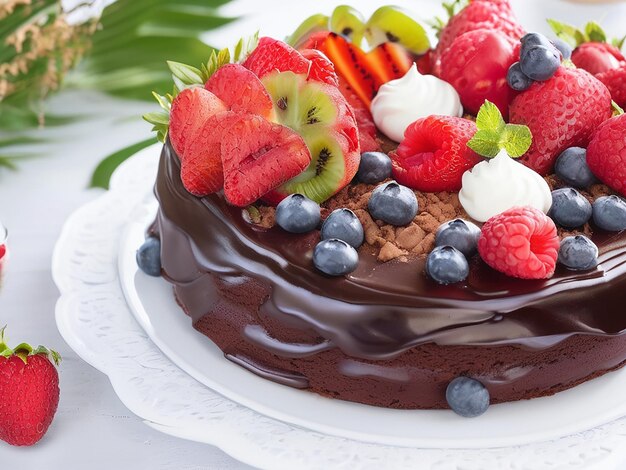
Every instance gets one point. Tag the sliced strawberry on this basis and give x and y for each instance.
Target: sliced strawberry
(322, 69)
(190, 110)
(201, 169)
(389, 61)
(314, 41)
(434, 154)
(241, 90)
(258, 156)
(272, 55)
(351, 63)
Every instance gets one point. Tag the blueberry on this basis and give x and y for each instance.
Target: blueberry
(149, 257)
(298, 214)
(374, 168)
(467, 397)
(578, 253)
(564, 48)
(540, 63)
(534, 39)
(569, 209)
(571, 167)
(335, 257)
(447, 265)
(393, 204)
(609, 213)
(460, 234)
(344, 225)
(516, 78)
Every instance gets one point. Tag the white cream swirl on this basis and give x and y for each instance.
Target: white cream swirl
(403, 101)
(498, 184)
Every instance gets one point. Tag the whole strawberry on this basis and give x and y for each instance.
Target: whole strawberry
(561, 112)
(606, 154)
(434, 154)
(495, 15)
(521, 242)
(29, 392)
(615, 81)
(476, 65)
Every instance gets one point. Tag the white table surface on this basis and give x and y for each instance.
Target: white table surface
(92, 429)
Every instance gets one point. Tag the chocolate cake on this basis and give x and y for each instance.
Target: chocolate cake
(385, 334)
(407, 226)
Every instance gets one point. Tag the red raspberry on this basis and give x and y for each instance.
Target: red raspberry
(521, 242)
(434, 154)
(615, 81)
(606, 154)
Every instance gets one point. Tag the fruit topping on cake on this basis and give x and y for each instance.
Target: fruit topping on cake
(434, 154)
(606, 154)
(520, 242)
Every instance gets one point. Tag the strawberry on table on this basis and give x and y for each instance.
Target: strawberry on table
(29, 392)
(561, 112)
(606, 154)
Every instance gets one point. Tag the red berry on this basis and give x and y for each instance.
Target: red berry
(476, 65)
(606, 154)
(521, 242)
(597, 57)
(29, 393)
(190, 110)
(561, 112)
(322, 69)
(272, 55)
(258, 156)
(363, 116)
(434, 154)
(480, 14)
(240, 90)
(615, 81)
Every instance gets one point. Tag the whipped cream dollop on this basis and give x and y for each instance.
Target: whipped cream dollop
(403, 101)
(498, 184)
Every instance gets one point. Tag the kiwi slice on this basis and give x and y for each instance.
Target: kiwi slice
(311, 25)
(392, 24)
(323, 176)
(308, 109)
(348, 22)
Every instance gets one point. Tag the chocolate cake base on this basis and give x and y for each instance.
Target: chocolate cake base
(385, 335)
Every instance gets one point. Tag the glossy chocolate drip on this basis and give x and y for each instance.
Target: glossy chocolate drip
(382, 309)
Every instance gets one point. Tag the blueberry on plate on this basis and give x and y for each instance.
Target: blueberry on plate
(344, 225)
(570, 209)
(571, 167)
(578, 253)
(298, 214)
(374, 167)
(149, 257)
(460, 234)
(335, 257)
(540, 63)
(447, 265)
(467, 397)
(516, 78)
(393, 204)
(609, 213)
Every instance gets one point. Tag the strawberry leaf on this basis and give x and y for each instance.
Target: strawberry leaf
(568, 33)
(594, 32)
(494, 134)
(617, 110)
(185, 74)
(619, 43)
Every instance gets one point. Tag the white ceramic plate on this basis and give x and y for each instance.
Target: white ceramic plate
(94, 318)
(152, 302)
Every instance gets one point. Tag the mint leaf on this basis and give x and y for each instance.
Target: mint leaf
(594, 32)
(490, 118)
(494, 134)
(516, 140)
(485, 143)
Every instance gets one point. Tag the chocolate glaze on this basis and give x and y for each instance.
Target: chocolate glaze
(386, 334)
(382, 309)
